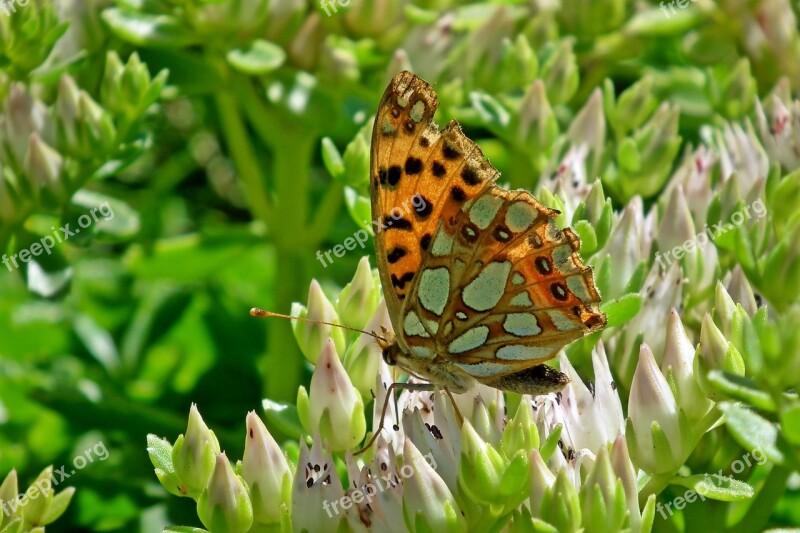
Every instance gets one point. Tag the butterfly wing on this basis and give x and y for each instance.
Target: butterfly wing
(478, 280)
(518, 289)
(418, 178)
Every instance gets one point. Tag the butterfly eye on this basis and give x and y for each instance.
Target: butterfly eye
(388, 358)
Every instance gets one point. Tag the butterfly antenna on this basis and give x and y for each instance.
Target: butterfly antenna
(261, 313)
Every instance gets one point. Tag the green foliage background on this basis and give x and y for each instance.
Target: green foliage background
(229, 136)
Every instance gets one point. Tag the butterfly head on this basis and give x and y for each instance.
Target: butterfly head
(389, 347)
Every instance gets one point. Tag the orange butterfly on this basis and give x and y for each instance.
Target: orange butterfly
(479, 282)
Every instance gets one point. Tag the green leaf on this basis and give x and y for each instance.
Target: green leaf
(58, 505)
(751, 430)
(790, 422)
(160, 452)
(332, 159)
(741, 388)
(588, 237)
(261, 57)
(143, 29)
(622, 309)
(712, 487)
(283, 417)
(551, 443)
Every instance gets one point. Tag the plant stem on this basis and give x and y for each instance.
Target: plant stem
(241, 150)
(760, 510)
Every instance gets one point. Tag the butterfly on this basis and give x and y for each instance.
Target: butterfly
(480, 283)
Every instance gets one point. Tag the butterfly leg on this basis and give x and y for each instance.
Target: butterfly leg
(455, 406)
(396, 385)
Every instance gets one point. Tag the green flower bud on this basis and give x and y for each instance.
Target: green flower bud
(9, 503)
(716, 351)
(521, 433)
(37, 498)
(428, 504)
(267, 473)
(541, 481)
(561, 505)
(224, 506)
(603, 497)
(334, 408)
(481, 469)
(363, 357)
(359, 298)
(311, 336)
(194, 455)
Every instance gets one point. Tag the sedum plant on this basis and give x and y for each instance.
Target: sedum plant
(666, 136)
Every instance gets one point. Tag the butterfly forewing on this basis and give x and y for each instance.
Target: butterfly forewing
(478, 280)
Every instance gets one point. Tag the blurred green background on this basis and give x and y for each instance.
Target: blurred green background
(230, 138)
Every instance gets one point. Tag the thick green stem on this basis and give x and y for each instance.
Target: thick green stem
(760, 510)
(241, 150)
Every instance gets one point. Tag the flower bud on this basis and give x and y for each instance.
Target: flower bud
(678, 365)
(267, 473)
(44, 167)
(541, 481)
(363, 357)
(521, 433)
(194, 455)
(224, 506)
(716, 351)
(560, 74)
(311, 337)
(9, 493)
(561, 506)
(334, 407)
(603, 496)
(359, 298)
(38, 496)
(316, 488)
(626, 472)
(653, 418)
(428, 503)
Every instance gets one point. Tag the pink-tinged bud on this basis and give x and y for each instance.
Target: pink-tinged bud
(626, 472)
(317, 490)
(653, 417)
(44, 167)
(334, 407)
(224, 506)
(267, 473)
(678, 364)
